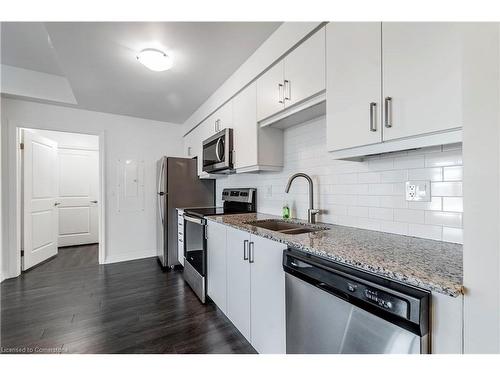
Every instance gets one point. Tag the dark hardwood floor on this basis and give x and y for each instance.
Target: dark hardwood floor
(71, 304)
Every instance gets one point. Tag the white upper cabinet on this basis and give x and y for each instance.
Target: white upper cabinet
(245, 128)
(392, 86)
(221, 119)
(300, 75)
(354, 82)
(422, 76)
(255, 148)
(304, 70)
(216, 264)
(270, 92)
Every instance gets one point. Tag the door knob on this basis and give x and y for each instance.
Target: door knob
(57, 203)
(93, 201)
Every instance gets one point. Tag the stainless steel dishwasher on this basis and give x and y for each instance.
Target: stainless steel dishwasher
(332, 308)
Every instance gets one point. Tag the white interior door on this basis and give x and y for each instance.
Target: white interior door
(78, 192)
(39, 239)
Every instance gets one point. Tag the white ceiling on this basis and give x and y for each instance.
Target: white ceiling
(99, 61)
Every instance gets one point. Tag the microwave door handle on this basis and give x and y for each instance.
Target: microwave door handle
(217, 150)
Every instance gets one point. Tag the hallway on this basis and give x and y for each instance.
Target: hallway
(71, 304)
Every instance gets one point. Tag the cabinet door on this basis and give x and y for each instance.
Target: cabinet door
(267, 296)
(238, 281)
(245, 128)
(353, 57)
(422, 75)
(223, 117)
(216, 264)
(269, 94)
(305, 69)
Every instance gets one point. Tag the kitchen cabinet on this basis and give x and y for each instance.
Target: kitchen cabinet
(422, 75)
(238, 280)
(354, 84)
(255, 148)
(298, 76)
(392, 86)
(255, 287)
(219, 120)
(304, 70)
(267, 288)
(447, 324)
(216, 264)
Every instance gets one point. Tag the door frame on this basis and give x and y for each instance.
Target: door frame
(15, 173)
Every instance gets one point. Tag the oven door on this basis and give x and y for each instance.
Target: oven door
(217, 152)
(195, 243)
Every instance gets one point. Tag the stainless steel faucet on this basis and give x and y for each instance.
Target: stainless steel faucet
(311, 212)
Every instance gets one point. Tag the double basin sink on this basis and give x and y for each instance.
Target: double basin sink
(286, 227)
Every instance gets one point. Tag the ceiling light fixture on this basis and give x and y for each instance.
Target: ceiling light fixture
(155, 59)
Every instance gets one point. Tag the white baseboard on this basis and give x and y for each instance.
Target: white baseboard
(123, 257)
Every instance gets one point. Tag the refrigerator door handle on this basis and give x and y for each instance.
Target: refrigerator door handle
(161, 193)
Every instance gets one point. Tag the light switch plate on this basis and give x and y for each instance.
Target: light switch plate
(418, 191)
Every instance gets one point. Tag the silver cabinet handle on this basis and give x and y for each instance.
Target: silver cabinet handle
(388, 112)
(373, 117)
(251, 252)
(280, 93)
(93, 201)
(245, 250)
(288, 90)
(215, 126)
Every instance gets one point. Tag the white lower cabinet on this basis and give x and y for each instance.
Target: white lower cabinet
(447, 324)
(238, 280)
(255, 287)
(267, 296)
(216, 264)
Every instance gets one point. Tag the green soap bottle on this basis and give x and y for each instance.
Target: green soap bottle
(286, 211)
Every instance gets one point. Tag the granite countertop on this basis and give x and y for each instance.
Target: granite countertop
(428, 264)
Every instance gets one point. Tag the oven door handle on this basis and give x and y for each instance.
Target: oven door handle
(193, 219)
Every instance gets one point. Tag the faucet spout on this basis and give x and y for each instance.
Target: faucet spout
(311, 213)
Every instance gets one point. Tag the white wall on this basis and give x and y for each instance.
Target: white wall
(129, 235)
(368, 194)
(482, 188)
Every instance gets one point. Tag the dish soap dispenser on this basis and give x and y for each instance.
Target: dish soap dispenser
(286, 211)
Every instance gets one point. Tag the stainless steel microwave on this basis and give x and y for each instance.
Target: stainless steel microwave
(218, 152)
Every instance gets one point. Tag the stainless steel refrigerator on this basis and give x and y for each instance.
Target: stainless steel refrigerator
(178, 186)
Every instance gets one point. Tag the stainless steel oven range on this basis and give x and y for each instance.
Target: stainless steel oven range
(235, 201)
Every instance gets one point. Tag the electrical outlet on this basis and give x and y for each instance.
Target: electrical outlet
(418, 191)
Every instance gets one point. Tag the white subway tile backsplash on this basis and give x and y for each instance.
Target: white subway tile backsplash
(432, 232)
(412, 161)
(434, 205)
(394, 176)
(381, 213)
(444, 159)
(431, 174)
(369, 177)
(453, 173)
(409, 216)
(367, 194)
(448, 219)
(453, 204)
(358, 211)
(393, 201)
(455, 235)
(446, 189)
